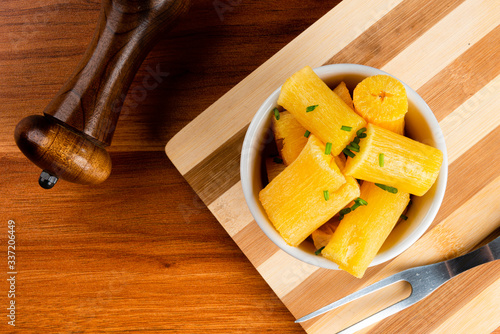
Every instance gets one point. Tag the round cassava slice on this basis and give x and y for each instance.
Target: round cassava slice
(381, 100)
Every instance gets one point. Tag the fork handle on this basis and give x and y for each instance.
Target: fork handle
(487, 253)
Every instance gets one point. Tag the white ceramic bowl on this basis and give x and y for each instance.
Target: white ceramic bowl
(421, 125)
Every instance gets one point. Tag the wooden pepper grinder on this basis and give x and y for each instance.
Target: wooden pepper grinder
(69, 141)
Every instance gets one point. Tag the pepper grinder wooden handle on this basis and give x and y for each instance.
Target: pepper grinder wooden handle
(69, 140)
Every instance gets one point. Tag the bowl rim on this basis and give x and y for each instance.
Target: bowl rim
(261, 117)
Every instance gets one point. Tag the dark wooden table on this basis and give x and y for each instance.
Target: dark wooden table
(139, 253)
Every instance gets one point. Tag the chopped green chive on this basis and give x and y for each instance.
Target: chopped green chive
(349, 153)
(328, 148)
(381, 159)
(355, 145)
(278, 160)
(353, 148)
(404, 217)
(319, 250)
(356, 140)
(276, 114)
(345, 211)
(361, 201)
(357, 203)
(360, 131)
(355, 206)
(363, 135)
(346, 128)
(307, 134)
(326, 195)
(311, 108)
(387, 188)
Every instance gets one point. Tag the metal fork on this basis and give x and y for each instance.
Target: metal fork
(423, 280)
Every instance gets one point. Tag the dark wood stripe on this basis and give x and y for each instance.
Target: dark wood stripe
(218, 172)
(390, 35)
(255, 244)
(464, 77)
(461, 187)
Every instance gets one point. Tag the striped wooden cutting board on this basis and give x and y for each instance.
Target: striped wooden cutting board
(449, 52)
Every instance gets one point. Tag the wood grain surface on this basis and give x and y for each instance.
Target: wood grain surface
(139, 253)
(448, 51)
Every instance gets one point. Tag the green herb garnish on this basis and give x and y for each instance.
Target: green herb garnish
(361, 201)
(307, 134)
(360, 131)
(387, 188)
(346, 128)
(353, 148)
(349, 153)
(404, 217)
(328, 148)
(355, 206)
(276, 114)
(326, 195)
(278, 160)
(358, 202)
(311, 108)
(343, 212)
(381, 159)
(355, 145)
(317, 252)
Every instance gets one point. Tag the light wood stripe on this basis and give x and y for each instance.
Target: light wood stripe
(283, 272)
(444, 42)
(485, 308)
(394, 32)
(472, 120)
(450, 238)
(460, 189)
(460, 80)
(313, 47)
(229, 212)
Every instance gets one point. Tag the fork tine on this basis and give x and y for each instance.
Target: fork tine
(387, 312)
(356, 295)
